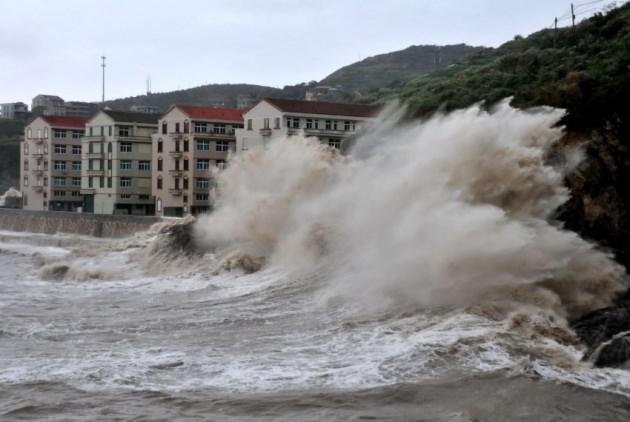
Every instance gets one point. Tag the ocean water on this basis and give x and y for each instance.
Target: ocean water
(241, 346)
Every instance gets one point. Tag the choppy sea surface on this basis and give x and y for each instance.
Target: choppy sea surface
(264, 346)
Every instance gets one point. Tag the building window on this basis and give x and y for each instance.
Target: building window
(144, 197)
(45, 133)
(186, 126)
(125, 196)
(266, 123)
(109, 130)
(76, 149)
(201, 196)
(334, 143)
(222, 146)
(293, 122)
(90, 182)
(60, 149)
(164, 128)
(203, 145)
(159, 183)
(59, 193)
(144, 165)
(328, 124)
(59, 133)
(309, 123)
(125, 165)
(26, 148)
(124, 131)
(91, 131)
(126, 147)
(109, 182)
(125, 182)
(77, 134)
(160, 145)
(185, 165)
(159, 164)
(276, 123)
(25, 180)
(201, 127)
(76, 193)
(348, 126)
(177, 127)
(219, 128)
(59, 181)
(76, 166)
(220, 164)
(29, 133)
(26, 165)
(76, 181)
(249, 124)
(186, 145)
(202, 183)
(203, 164)
(60, 165)
(185, 184)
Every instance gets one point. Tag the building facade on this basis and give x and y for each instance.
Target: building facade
(190, 143)
(48, 105)
(80, 108)
(13, 110)
(116, 163)
(50, 163)
(145, 109)
(334, 124)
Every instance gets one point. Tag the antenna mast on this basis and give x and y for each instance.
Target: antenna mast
(103, 66)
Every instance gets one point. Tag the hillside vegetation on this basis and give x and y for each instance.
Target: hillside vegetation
(396, 68)
(584, 70)
(11, 132)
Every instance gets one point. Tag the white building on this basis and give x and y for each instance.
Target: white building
(333, 123)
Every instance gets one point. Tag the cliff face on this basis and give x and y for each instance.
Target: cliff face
(600, 191)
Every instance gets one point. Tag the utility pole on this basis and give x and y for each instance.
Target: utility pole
(573, 15)
(103, 66)
(555, 31)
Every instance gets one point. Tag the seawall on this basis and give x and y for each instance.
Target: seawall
(70, 222)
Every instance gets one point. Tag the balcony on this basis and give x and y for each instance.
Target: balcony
(39, 141)
(95, 172)
(93, 155)
(265, 132)
(38, 154)
(38, 172)
(175, 192)
(225, 135)
(175, 173)
(328, 132)
(38, 188)
(175, 154)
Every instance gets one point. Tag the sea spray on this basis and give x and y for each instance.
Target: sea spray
(442, 212)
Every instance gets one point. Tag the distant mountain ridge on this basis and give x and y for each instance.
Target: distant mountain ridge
(396, 67)
(353, 80)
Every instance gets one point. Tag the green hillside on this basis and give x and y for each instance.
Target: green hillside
(10, 135)
(585, 70)
(397, 67)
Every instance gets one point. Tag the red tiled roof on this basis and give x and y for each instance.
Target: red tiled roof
(320, 107)
(196, 112)
(66, 121)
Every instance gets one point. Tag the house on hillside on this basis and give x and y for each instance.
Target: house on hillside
(334, 124)
(191, 141)
(116, 163)
(50, 163)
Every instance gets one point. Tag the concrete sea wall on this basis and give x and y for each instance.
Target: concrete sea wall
(70, 222)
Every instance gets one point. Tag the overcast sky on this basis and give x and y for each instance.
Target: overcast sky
(54, 47)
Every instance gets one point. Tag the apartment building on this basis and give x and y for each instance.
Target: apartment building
(116, 163)
(48, 105)
(190, 143)
(334, 124)
(17, 110)
(50, 163)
